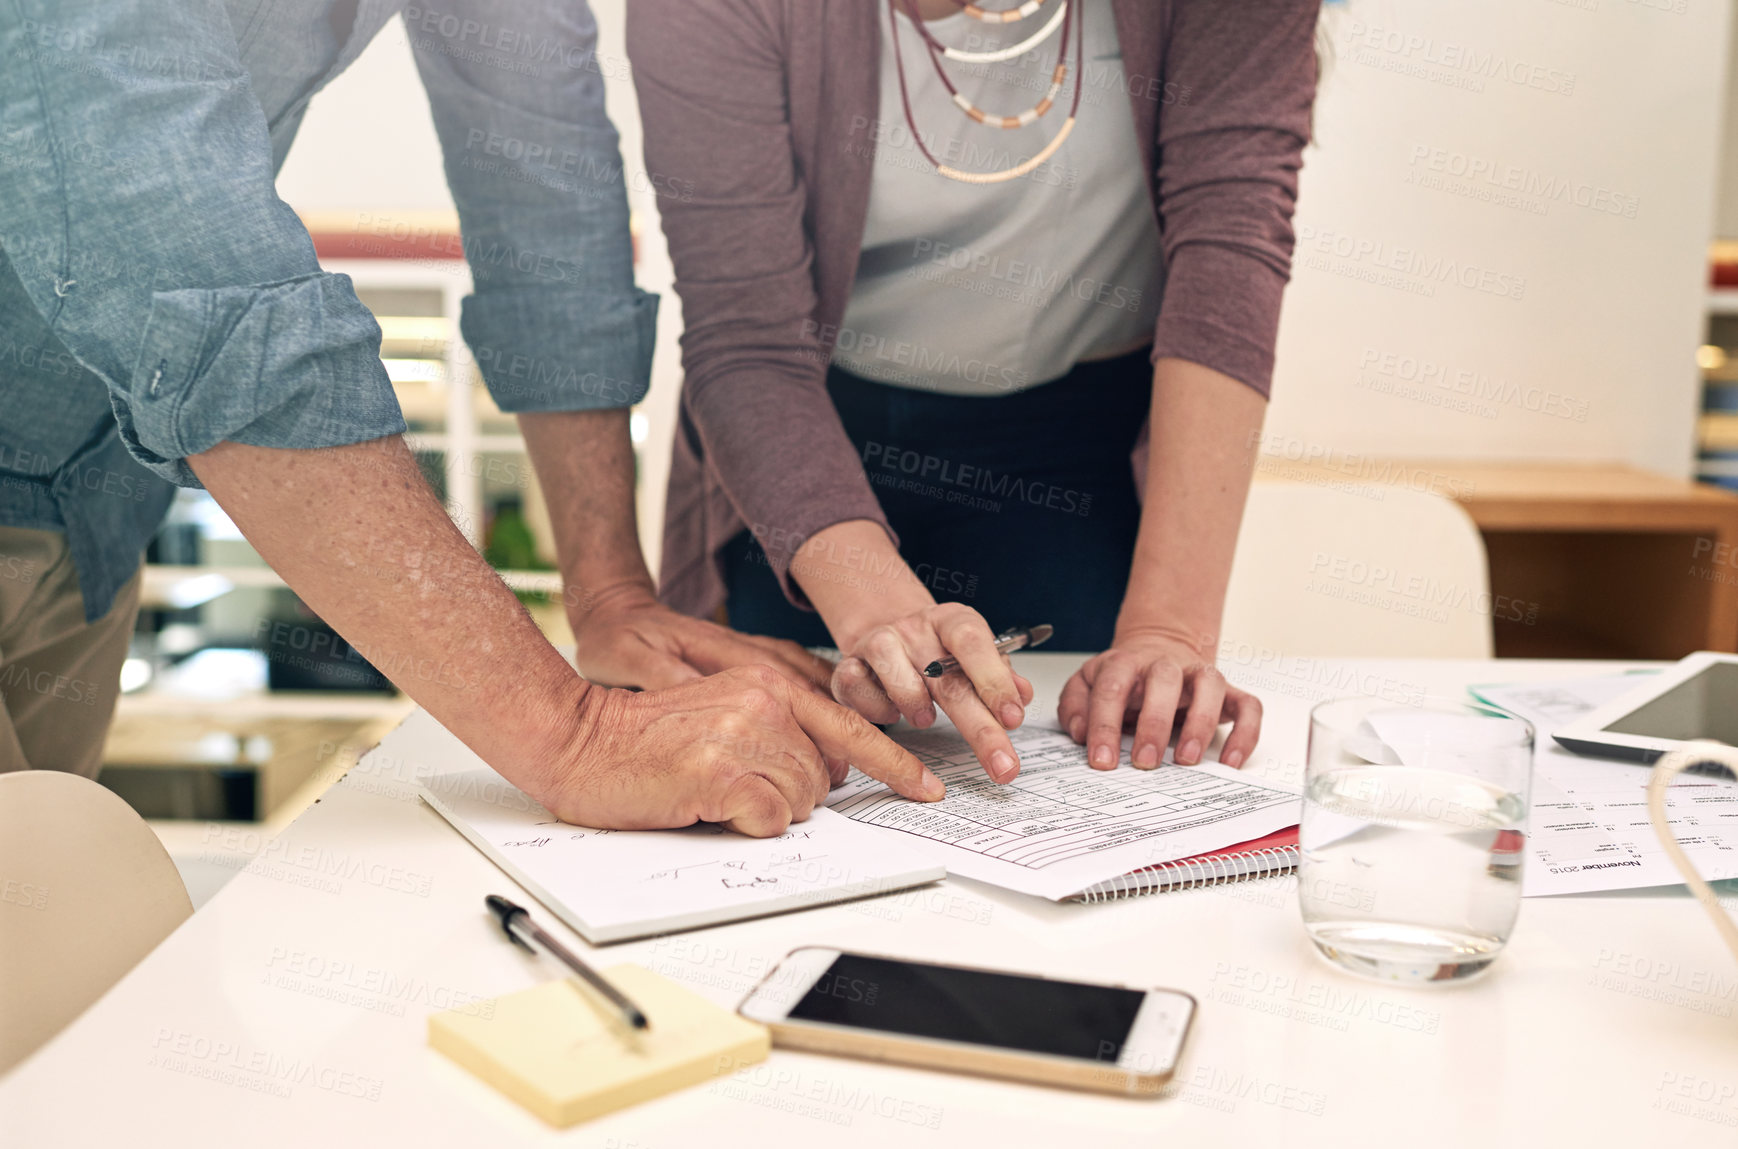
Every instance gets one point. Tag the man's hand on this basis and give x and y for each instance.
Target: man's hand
(1156, 681)
(585, 461)
(626, 637)
(744, 747)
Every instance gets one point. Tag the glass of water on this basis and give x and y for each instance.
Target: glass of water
(1413, 835)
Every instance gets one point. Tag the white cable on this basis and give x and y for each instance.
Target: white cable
(1664, 771)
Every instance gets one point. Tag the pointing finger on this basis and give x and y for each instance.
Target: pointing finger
(847, 735)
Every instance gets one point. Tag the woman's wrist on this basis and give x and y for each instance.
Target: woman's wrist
(1134, 629)
(857, 580)
(849, 624)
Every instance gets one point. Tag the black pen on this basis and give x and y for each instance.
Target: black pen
(516, 923)
(1021, 637)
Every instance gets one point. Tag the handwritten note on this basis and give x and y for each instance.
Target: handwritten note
(612, 885)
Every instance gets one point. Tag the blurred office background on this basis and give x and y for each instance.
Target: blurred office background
(1510, 289)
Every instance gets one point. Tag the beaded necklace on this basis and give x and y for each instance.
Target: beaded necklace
(1004, 16)
(998, 55)
(1024, 118)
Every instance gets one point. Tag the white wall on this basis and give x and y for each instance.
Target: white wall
(367, 141)
(1620, 99)
(1726, 216)
(1575, 339)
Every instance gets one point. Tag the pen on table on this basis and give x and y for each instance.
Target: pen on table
(516, 923)
(1021, 637)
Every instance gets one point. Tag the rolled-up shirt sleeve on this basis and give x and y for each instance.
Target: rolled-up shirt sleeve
(277, 365)
(137, 204)
(1240, 86)
(555, 321)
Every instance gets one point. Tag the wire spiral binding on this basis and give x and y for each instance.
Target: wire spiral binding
(1185, 874)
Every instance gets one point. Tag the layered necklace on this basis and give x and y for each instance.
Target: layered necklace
(1068, 17)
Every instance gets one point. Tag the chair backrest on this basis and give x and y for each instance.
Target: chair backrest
(86, 890)
(1377, 572)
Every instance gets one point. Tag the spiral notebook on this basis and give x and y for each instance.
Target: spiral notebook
(1062, 827)
(1259, 858)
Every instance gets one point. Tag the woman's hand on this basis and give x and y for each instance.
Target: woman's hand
(1155, 680)
(882, 679)
(890, 627)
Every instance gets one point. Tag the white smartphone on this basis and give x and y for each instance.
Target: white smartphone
(1111, 1038)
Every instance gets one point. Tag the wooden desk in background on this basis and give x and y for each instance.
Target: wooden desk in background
(1609, 561)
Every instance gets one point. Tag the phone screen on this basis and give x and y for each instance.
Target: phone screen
(1063, 1018)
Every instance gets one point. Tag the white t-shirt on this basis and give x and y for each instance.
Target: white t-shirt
(972, 289)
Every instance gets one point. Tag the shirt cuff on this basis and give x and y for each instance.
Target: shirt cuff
(292, 364)
(556, 349)
(1221, 310)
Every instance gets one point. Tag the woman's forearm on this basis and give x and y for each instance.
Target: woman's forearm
(856, 579)
(1204, 425)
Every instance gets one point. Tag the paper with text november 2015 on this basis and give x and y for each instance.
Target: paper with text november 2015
(1588, 827)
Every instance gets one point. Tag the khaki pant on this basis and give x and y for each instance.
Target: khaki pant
(59, 675)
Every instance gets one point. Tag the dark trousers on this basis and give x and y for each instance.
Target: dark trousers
(1022, 506)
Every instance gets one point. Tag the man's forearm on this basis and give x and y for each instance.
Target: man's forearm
(1198, 471)
(585, 464)
(357, 533)
(622, 635)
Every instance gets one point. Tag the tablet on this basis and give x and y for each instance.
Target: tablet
(1696, 699)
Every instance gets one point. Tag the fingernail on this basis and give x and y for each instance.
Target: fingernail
(1233, 759)
(1190, 753)
(1147, 755)
(1101, 756)
(930, 785)
(1011, 715)
(1003, 766)
(1077, 730)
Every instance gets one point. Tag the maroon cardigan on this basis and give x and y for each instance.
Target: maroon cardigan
(757, 119)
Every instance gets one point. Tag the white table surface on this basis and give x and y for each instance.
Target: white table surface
(291, 1010)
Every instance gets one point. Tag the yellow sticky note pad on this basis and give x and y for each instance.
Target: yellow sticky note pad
(561, 1052)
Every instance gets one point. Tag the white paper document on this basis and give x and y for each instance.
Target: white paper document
(1588, 829)
(613, 885)
(1062, 826)
(1454, 742)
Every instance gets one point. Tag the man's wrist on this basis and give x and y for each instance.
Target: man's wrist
(560, 719)
(585, 595)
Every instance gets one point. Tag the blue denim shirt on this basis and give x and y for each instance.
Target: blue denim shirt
(157, 298)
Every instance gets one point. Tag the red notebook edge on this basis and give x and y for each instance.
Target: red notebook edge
(1274, 841)
(1278, 840)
